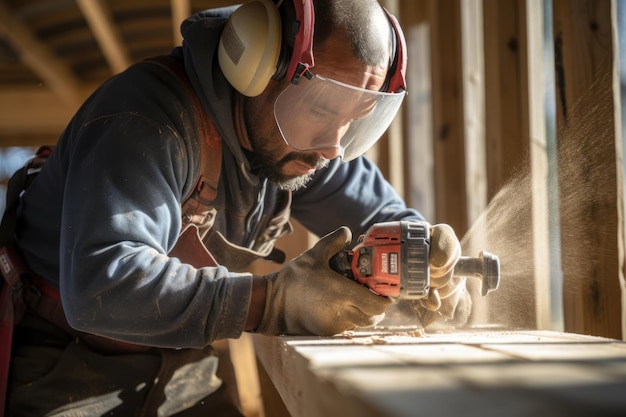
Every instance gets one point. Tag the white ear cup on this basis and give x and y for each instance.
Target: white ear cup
(250, 45)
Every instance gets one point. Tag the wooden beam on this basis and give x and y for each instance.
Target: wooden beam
(548, 312)
(475, 155)
(39, 58)
(448, 117)
(474, 107)
(510, 219)
(507, 94)
(590, 181)
(417, 135)
(446, 375)
(100, 20)
(419, 132)
(181, 9)
(395, 145)
(34, 111)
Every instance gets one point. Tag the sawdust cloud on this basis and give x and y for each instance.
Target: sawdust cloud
(582, 214)
(505, 230)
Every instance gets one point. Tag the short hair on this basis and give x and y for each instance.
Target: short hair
(354, 18)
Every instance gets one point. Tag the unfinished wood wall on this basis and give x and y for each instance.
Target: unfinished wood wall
(589, 139)
(508, 153)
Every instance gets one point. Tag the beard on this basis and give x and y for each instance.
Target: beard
(267, 144)
(269, 167)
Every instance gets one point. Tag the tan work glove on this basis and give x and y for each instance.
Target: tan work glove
(307, 297)
(448, 298)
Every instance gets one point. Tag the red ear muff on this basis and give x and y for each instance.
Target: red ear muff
(264, 40)
(396, 74)
(302, 54)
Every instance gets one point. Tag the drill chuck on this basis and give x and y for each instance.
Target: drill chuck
(486, 267)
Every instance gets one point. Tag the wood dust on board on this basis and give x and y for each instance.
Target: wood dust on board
(382, 337)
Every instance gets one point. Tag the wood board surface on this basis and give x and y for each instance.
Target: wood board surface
(519, 373)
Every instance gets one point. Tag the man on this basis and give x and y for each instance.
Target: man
(102, 222)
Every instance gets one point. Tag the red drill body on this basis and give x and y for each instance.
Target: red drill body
(392, 259)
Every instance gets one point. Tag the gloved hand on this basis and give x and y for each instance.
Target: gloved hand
(448, 297)
(308, 297)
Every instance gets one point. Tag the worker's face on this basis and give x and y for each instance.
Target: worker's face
(282, 164)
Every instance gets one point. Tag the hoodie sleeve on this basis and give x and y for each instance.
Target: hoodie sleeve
(120, 218)
(353, 194)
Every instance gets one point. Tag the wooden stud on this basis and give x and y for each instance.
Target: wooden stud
(591, 201)
(447, 108)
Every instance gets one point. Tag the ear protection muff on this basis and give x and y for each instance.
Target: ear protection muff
(396, 74)
(263, 41)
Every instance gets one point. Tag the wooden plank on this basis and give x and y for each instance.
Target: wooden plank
(506, 92)
(33, 116)
(395, 135)
(545, 318)
(474, 86)
(421, 191)
(448, 117)
(19, 106)
(506, 228)
(589, 181)
(489, 373)
(245, 368)
(417, 139)
(474, 108)
(302, 394)
(273, 404)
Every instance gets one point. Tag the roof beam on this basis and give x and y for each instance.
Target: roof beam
(100, 20)
(181, 9)
(34, 110)
(40, 59)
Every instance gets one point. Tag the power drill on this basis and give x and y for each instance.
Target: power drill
(392, 259)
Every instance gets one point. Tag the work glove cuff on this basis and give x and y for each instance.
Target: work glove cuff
(308, 297)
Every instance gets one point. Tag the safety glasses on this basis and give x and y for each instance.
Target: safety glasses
(321, 113)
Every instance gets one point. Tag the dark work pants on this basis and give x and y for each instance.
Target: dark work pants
(56, 374)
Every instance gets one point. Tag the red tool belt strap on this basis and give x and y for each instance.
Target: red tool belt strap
(197, 206)
(22, 288)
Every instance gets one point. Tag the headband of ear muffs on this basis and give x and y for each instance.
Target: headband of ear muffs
(260, 42)
(255, 47)
(396, 74)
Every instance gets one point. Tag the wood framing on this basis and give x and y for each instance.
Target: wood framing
(590, 184)
(448, 116)
(509, 222)
(39, 58)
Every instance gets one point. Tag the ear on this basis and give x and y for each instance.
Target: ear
(250, 46)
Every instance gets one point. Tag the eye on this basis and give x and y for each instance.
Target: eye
(321, 112)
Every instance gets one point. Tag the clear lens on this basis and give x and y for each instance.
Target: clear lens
(321, 113)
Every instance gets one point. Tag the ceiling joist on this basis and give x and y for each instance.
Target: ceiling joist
(48, 62)
(43, 62)
(100, 20)
(181, 9)
(34, 110)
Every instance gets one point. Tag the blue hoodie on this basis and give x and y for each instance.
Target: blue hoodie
(104, 212)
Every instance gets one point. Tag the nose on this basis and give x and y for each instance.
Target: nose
(331, 153)
(329, 140)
